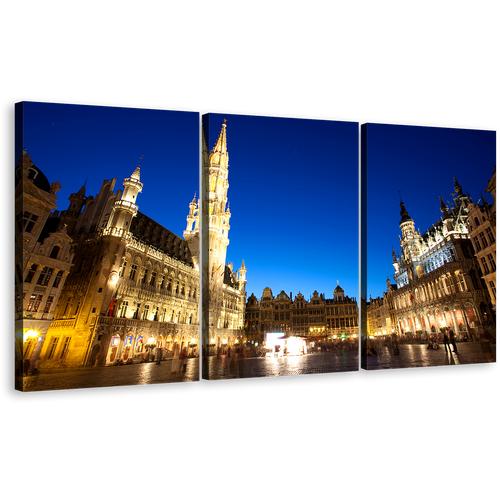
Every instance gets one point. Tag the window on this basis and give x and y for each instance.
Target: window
(65, 347)
(123, 309)
(52, 347)
(493, 289)
(485, 265)
(491, 260)
(476, 244)
(144, 278)
(155, 318)
(145, 313)
(26, 222)
(55, 252)
(34, 303)
(45, 276)
(162, 281)
(483, 239)
(489, 232)
(153, 279)
(57, 279)
(133, 270)
(48, 304)
(123, 269)
(31, 273)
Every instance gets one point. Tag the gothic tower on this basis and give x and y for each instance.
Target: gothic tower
(69, 217)
(218, 213)
(125, 208)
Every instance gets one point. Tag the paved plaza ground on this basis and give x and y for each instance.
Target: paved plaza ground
(410, 356)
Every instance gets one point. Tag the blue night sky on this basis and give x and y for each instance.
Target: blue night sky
(292, 183)
(421, 163)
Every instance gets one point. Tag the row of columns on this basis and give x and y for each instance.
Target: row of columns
(431, 290)
(427, 324)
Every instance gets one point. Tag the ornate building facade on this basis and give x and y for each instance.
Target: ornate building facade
(316, 319)
(133, 291)
(482, 232)
(438, 278)
(43, 259)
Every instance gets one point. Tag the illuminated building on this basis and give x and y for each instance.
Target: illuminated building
(341, 315)
(134, 287)
(43, 259)
(378, 316)
(316, 319)
(438, 278)
(482, 232)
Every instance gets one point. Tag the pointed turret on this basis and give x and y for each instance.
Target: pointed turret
(125, 209)
(221, 144)
(485, 203)
(458, 187)
(242, 273)
(69, 217)
(444, 208)
(404, 214)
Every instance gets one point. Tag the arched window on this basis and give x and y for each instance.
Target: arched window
(55, 252)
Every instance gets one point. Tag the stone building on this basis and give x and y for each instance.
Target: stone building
(342, 315)
(438, 278)
(134, 288)
(42, 259)
(379, 319)
(482, 232)
(317, 319)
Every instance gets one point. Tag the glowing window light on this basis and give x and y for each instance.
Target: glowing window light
(30, 335)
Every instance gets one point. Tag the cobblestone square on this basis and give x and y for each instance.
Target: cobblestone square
(410, 356)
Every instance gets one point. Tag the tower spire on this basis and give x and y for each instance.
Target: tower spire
(137, 171)
(444, 209)
(404, 213)
(458, 187)
(221, 144)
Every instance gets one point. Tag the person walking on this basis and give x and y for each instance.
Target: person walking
(395, 343)
(453, 340)
(175, 360)
(446, 341)
(181, 360)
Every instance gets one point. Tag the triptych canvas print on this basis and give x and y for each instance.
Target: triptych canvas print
(165, 246)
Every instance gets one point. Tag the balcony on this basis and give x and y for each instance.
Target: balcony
(128, 205)
(144, 323)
